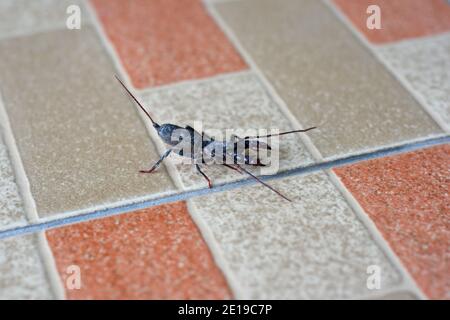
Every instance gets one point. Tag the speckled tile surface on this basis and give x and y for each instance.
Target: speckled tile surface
(21, 17)
(80, 138)
(425, 64)
(22, 273)
(314, 247)
(400, 19)
(11, 211)
(407, 196)
(300, 47)
(156, 253)
(165, 41)
(237, 102)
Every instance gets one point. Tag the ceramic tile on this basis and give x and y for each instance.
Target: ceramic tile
(407, 196)
(11, 210)
(326, 76)
(314, 247)
(156, 253)
(425, 64)
(400, 19)
(22, 273)
(237, 102)
(164, 41)
(20, 17)
(79, 136)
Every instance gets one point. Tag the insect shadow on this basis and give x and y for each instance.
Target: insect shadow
(204, 150)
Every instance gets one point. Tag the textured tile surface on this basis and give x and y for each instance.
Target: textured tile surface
(237, 102)
(22, 274)
(407, 196)
(11, 211)
(326, 76)
(156, 253)
(425, 64)
(163, 41)
(314, 247)
(400, 19)
(19, 17)
(79, 136)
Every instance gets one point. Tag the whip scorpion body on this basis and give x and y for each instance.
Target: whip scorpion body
(203, 150)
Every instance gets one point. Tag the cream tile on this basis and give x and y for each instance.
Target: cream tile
(326, 76)
(425, 64)
(237, 102)
(79, 136)
(20, 17)
(22, 274)
(11, 211)
(312, 248)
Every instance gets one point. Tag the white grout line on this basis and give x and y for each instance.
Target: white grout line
(373, 231)
(28, 202)
(372, 49)
(48, 260)
(170, 166)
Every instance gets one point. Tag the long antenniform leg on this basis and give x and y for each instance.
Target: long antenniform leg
(231, 167)
(279, 134)
(238, 167)
(204, 175)
(158, 163)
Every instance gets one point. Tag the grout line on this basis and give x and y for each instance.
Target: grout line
(420, 99)
(49, 263)
(359, 212)
(54, 223)
(29, 205)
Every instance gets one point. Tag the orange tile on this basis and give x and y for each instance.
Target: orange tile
(164, 41)
(157, 253)
(407, 196)
(400, 19)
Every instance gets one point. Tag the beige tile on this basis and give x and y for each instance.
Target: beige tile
(11, 210)
(79, 136)
(312, 248)
(237, 102)
(20, 17)
(425, 65)
(22, 272)
(326, 76)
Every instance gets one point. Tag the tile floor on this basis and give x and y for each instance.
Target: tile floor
(370, 187)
